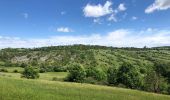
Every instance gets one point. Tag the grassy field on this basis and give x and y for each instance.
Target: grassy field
(13, 87)
(43, 76)
(11, 69)
(23, 89)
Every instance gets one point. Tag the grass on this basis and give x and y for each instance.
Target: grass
(43, 76)
(11, 69)
(50, 75)
(23, 89)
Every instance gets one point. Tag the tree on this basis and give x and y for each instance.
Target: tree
(155, 83)
(30, 73)
(77, 73)
(112, 75)
(129, 76)
(96, 73)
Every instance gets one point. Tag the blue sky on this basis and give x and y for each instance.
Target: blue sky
(122, 23)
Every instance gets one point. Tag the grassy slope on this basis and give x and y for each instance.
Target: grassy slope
(21, 89)
(43, 76)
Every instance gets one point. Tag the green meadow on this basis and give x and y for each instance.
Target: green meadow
(15, 88)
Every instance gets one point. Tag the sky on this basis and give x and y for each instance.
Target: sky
(117, 23)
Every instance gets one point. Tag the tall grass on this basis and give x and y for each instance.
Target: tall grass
(22, 89)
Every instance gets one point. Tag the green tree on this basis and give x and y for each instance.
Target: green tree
(96, 73)
(129, 76)
(112, 75)
(154, 82)
(30, 73)
(77, 73)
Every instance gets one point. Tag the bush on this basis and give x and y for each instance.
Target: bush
(3, 70)
(129, 76)
(15, 71)
(55, 79)
(30, 73)
(168, 90)
(23, 65)
(77, 73)
(42, 70)
(96, 73)
(112, 75)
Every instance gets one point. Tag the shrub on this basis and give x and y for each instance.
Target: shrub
(30, 73)
(15, 71)
(168, 90)
(55, 79)
(112, 75)
(42, 70)
(23, 65)
(3, 70)
(77, 73)
(129, 76)
(96, 73)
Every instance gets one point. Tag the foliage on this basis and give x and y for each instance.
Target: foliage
(96, 73)
(129, 76)
(112, 75)
(59, 69)
(96, 60)
(15, 71)
(77, 73)
(30, 73)
(3, 70)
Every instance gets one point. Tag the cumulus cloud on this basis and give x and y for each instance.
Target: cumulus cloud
(117, 38)
(158, 5)
(97, 10)
(122, 7)
(64, 29)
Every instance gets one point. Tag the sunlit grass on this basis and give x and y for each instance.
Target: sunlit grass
(23, 89)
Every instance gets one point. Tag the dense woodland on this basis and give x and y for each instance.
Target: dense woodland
(145, 68)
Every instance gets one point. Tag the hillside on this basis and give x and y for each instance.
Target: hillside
(85, 55)
(21, 89)
(146, 69)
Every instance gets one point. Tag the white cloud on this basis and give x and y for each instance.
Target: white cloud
(25, 15)
(97, 10)
(112, 18)
(134, 18)
(158, 5)
(64, 29)
(122, 7)
(117, 38)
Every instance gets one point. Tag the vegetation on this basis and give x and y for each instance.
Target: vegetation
(30, 73)
(21, 89)
(76, 73)
(146, 69)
